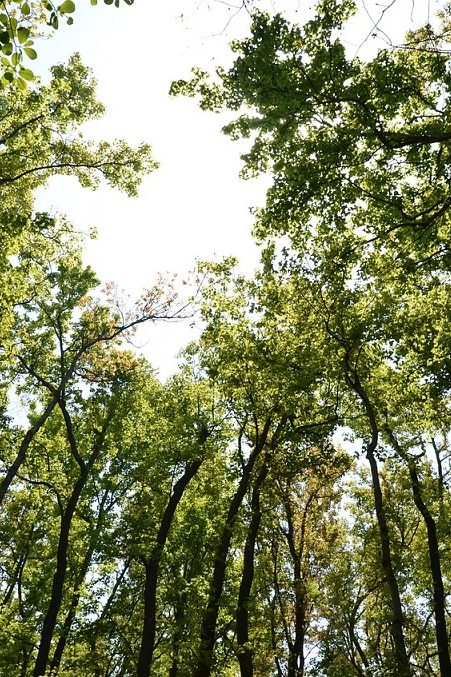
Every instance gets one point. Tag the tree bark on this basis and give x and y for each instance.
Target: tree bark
(401, 661)
(179, 617)
(70, 616)
(58, 578)
(434, 559)
(56, 596)
(439, 592)
(208, 627)
(402, 666)
(152, 566)
(296, 660)
(21, 454)
(245, 654)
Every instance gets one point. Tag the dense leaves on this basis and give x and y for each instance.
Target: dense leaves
(281, 505)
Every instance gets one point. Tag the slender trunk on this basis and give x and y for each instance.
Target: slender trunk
(278, 597)
(402, 665)
(208, 627)
(356, 643)
(152, 566)
(65, 630)
(439, 592)
(439, 467)
(296, 660)
(353, 636)
(179, 618)
(245, 657)
(434, 559)
(58, 578)
(274, 643)
(27, 439)
(70, 616)
(17, 575)
(25, 663)
(113, 592)
(56, 596)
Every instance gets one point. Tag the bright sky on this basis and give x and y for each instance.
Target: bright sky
(194, 206)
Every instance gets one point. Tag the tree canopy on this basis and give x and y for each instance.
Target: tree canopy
(281, 504)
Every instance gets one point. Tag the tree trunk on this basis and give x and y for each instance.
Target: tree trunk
(439, 592)
(296, 659)
(179, 617)
(70, 616)
(27, 439)
(438, 459)
(56, 596)
(242, 615)
(402, 665)
(152, 566)
(434, 559)
(208, 627)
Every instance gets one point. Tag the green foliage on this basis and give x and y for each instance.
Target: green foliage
(40, 137)
(21, 23)
(342, 332)
(360, 195)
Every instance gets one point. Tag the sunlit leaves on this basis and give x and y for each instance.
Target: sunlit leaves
(22, 22)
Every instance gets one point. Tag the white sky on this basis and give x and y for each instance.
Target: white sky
(194, 206)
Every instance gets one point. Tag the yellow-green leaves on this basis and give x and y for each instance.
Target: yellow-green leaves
(40, 140)
(67, 7)
(20, 23)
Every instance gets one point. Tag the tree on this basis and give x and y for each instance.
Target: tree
(39, 136)
(48, 319)
(39, 133)
(275, 388)
(190, 435)
(309, 102)
(358, 155)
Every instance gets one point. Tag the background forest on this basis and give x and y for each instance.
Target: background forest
(281, 504)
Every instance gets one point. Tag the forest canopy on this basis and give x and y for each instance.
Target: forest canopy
(280, 506)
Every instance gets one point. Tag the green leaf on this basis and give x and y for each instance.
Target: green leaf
(4, 37)
(8, 49)
(25, 9)
(30, 52)
(26, 74)
(9, 76)
(22, 34)
(22, 85)
(16, 58)
(70, 21)
(67, 7)
(4, 19)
